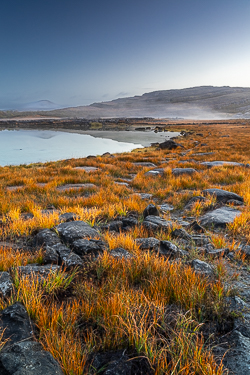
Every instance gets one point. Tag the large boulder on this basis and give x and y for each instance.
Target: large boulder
(219, 218)
(28, 358)
(237, 358)
(169, 145)
(222, 196)
(74, 230)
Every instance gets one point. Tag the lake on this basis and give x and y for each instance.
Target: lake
(32, 146)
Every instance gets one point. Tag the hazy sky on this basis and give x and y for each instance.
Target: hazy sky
(76, 52)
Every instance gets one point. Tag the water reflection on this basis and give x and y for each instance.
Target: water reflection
(32, 146)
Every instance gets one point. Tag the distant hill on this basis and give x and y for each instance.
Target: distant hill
(40, 105)
(204, 102)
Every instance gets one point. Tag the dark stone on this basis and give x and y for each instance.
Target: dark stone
(120, 253)
(222, 196)
(217, 253)
(115, 226)
(71, 261)
(202, 267)
(149, 243)
(181, 233)
(84, 247)
(37, 271)
(169, 249)
(245, 250)
(151, 209)
(6, 284)
(75, 230)
(129, 222)
(193, 200)
(28, 358)
(166, 207)
(68, 216)
(51, 256)
(156, 223)
(235, 202)
(112, 363)
(237, 358)
(15, 322)
(196, 227)
(182, 171)
(219, 218)
(169, 145)
(46, 237)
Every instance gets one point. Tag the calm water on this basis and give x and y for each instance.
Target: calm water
(32, 146)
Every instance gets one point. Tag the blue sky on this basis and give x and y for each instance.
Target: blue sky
(76, 52)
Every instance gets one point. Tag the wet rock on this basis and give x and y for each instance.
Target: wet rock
(46, 237)
(15, 322)
(120, 253)
(28, 358)
(169, 145)
(151, 209)
(68, 216)
(183, 171)
(219, 218)
(75, 230)
(219, 163)
(169, 249)
(156, 223)
(222, 196)
(84, 247)
(149, 243)
(144, 164)
(202, 267)
(6, 284)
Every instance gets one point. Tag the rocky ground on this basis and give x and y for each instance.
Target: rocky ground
(185, 238)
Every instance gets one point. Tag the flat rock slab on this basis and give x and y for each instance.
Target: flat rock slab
(220, 163)
(41, 184)
(87, 169)
(219, 218)
(34, 270)
(203, 153)
(222, 196)
(155, 172)
(68, 187)
(74, 230)
(149, 243)
(144, 195)
(9, 245)
(145, 164)
(182, 171)
(14, 188)
(6, 284)
(122, 183)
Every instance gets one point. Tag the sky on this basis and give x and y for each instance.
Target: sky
(76, 52)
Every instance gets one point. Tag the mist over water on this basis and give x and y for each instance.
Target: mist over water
(32, 146)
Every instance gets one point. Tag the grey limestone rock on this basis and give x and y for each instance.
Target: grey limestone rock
(219, 218)
(149, 243)
(74, 230)
(222, 196)
(6, 284)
